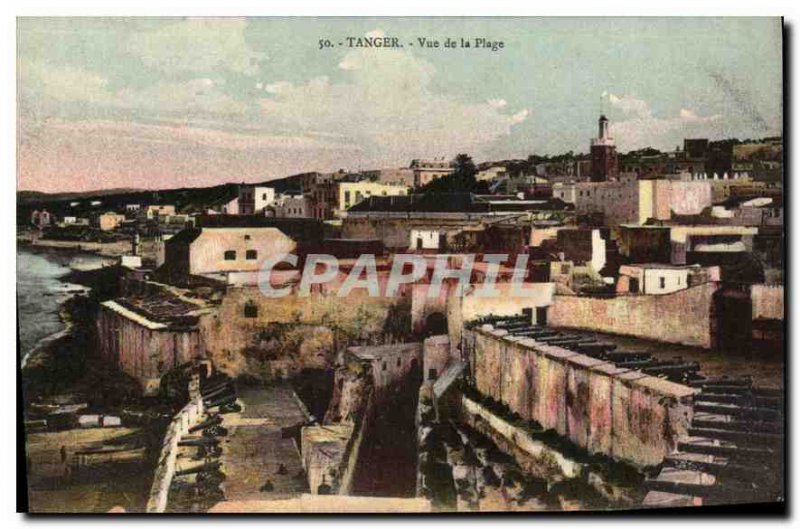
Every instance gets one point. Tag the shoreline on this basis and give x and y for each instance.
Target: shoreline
(74, 293)
(41, 349)
(74, 282)
(73, 248)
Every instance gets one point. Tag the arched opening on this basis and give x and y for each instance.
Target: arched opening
(435, 323)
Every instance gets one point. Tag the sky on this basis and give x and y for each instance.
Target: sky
(158, 103)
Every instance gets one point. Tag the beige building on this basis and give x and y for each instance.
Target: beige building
(633, 201)
(402, 176)
(109, 221)
(154, 211)
(427, 170)
(349, 194)
(218, 252)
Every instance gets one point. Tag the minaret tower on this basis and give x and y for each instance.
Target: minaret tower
(604, 153)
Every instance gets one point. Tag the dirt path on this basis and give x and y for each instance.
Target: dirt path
(255, 447)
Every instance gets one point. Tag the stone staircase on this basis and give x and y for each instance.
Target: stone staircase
(733, 452)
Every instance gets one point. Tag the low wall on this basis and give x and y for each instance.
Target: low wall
(682, 317)
(165, 470)
(461, 309)
(349, 464)
(530, 454)
(352, 408)
(616, 412)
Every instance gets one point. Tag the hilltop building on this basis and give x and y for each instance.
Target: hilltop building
(427, 170)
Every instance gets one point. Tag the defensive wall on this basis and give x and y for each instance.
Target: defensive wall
(683, 317)
(623, 414)
(165, 469)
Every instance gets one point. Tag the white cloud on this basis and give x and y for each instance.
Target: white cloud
(197, 45)
(640, 127)
(630, 106)
(690, 117)
(188, 135)
(519, 117)
(386, 105)
(61, 83)
(55, 90)
(196, 96)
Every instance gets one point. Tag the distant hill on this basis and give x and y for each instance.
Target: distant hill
(38, 196)
(186, 200)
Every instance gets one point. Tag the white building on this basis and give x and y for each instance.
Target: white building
(425, 240)
(633, 201)
(231, 207)
(253, 199)
(292, 206)
(655, 279)
(564, 191)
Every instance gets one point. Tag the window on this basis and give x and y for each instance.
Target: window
(247, 237)
(432, 374)
(399, 362)
(662, 282)
(251, 255)
(264, 196)
(250, 310)
(230, 255)
(383, 367)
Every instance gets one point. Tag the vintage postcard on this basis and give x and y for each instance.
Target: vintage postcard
(405, 265)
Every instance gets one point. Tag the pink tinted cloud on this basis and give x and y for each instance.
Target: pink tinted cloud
(88, 155)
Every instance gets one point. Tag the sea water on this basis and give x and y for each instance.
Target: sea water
(41, 290)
